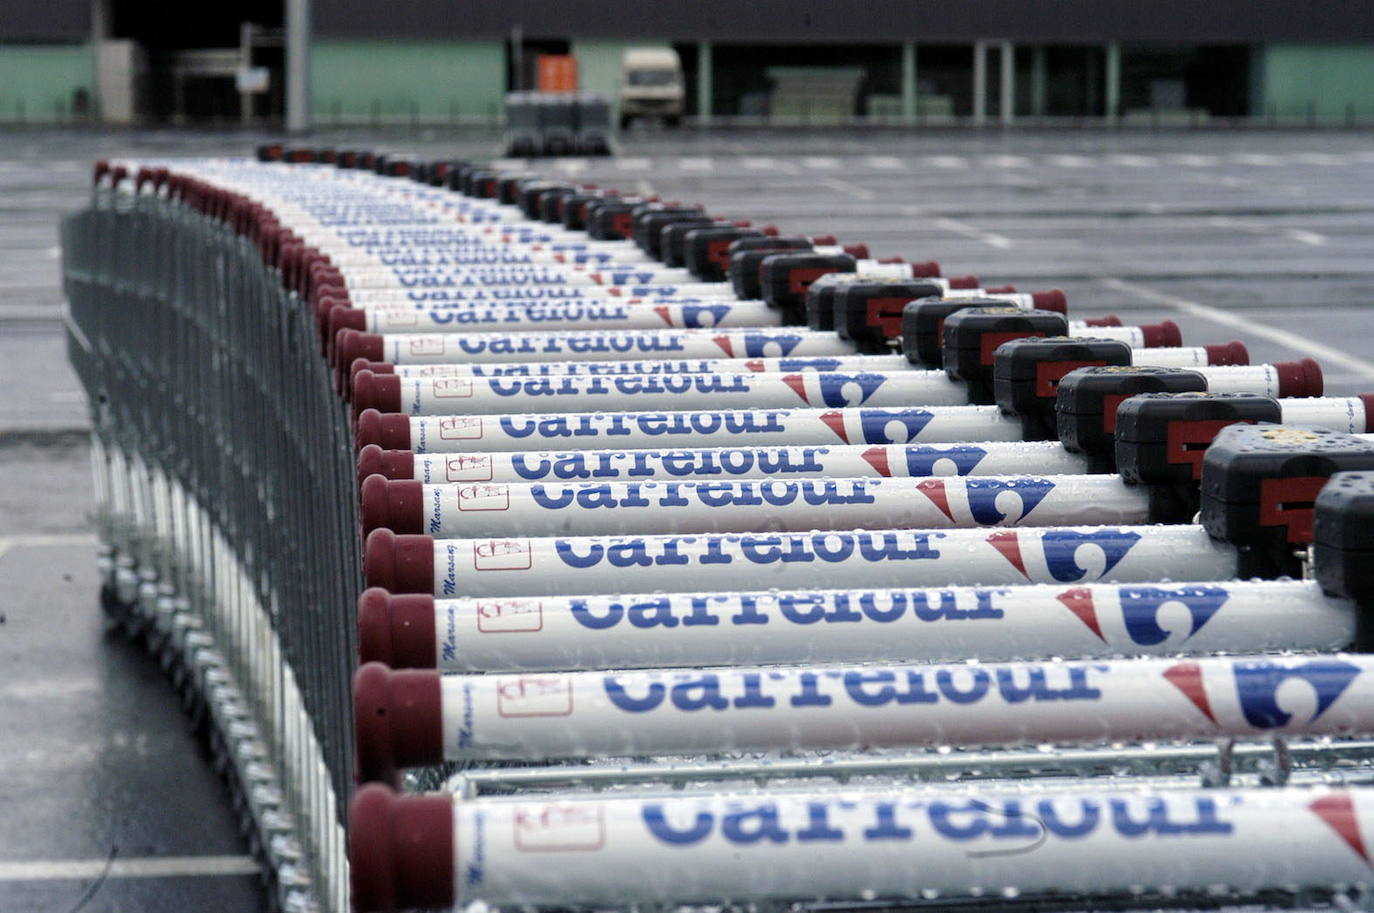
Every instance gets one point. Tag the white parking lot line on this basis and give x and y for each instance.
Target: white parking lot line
(889, 162)
(1000, 242)
(137, 867)
(1320, 351)
(39, 540)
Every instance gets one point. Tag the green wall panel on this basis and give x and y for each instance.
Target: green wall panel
(1332, 81)
(395, 81)
(37, 82)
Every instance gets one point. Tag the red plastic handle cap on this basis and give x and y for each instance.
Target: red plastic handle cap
(365, 364)
(397, 630)
(401, 850)
(343, 318)
(928, 269)
(1110, 320)
(1053, 300)
(825, 241)
(1299, 378)
(350, 344)
(398, 719)
(963, 282)
(389, 432)
(369, 462)
(399, 563)
(1228, 353)
(857, 251)
(394, 505)
(376, 391)
(390, 464)
(1161, 335)
(327, 289)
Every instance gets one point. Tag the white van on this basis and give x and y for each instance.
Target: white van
(651, 85)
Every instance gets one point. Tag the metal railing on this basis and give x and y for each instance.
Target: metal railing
(225, 507)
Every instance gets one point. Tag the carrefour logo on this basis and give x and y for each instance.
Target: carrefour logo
(880, 426)
(989, 501)
(758, 345)
(1140, 609)
(693, 316)
(834, 389)
(1264, 687)
(922, 461)
(1061, 549)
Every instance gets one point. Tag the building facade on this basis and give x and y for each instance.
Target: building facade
(438, 62)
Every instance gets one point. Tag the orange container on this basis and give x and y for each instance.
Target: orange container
(557, 73)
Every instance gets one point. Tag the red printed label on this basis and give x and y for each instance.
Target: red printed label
(571, 828)
(460, 428)
(451, 388)
(1289, 503)
(427, 345)
(1188, 441)
(502, 555)
(534, 695)
(1048, 374)
(468, 467)
(885, 315)
(991, 341)
(483, 497)
(510, 616)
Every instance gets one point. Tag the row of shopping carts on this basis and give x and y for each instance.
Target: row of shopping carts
(709, 565)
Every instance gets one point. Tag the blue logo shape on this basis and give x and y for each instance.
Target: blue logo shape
(893, 426)
(836, 388)
(758, 345)
(983, 494)
(1140, 609)
(1258, 682)
(1061, 550)
(921, 461)
(692, 315)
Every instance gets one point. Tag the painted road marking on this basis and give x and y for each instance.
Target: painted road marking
(1071, 161)
(136, 867)
(890, 162)
(1134, 161)
(1320, 158)
(1295, 341)
(1006, 161)
(40, 540)
(1305, 237)
(968, 231)
(1302, 236)
(1195, 161)
(847, 187)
